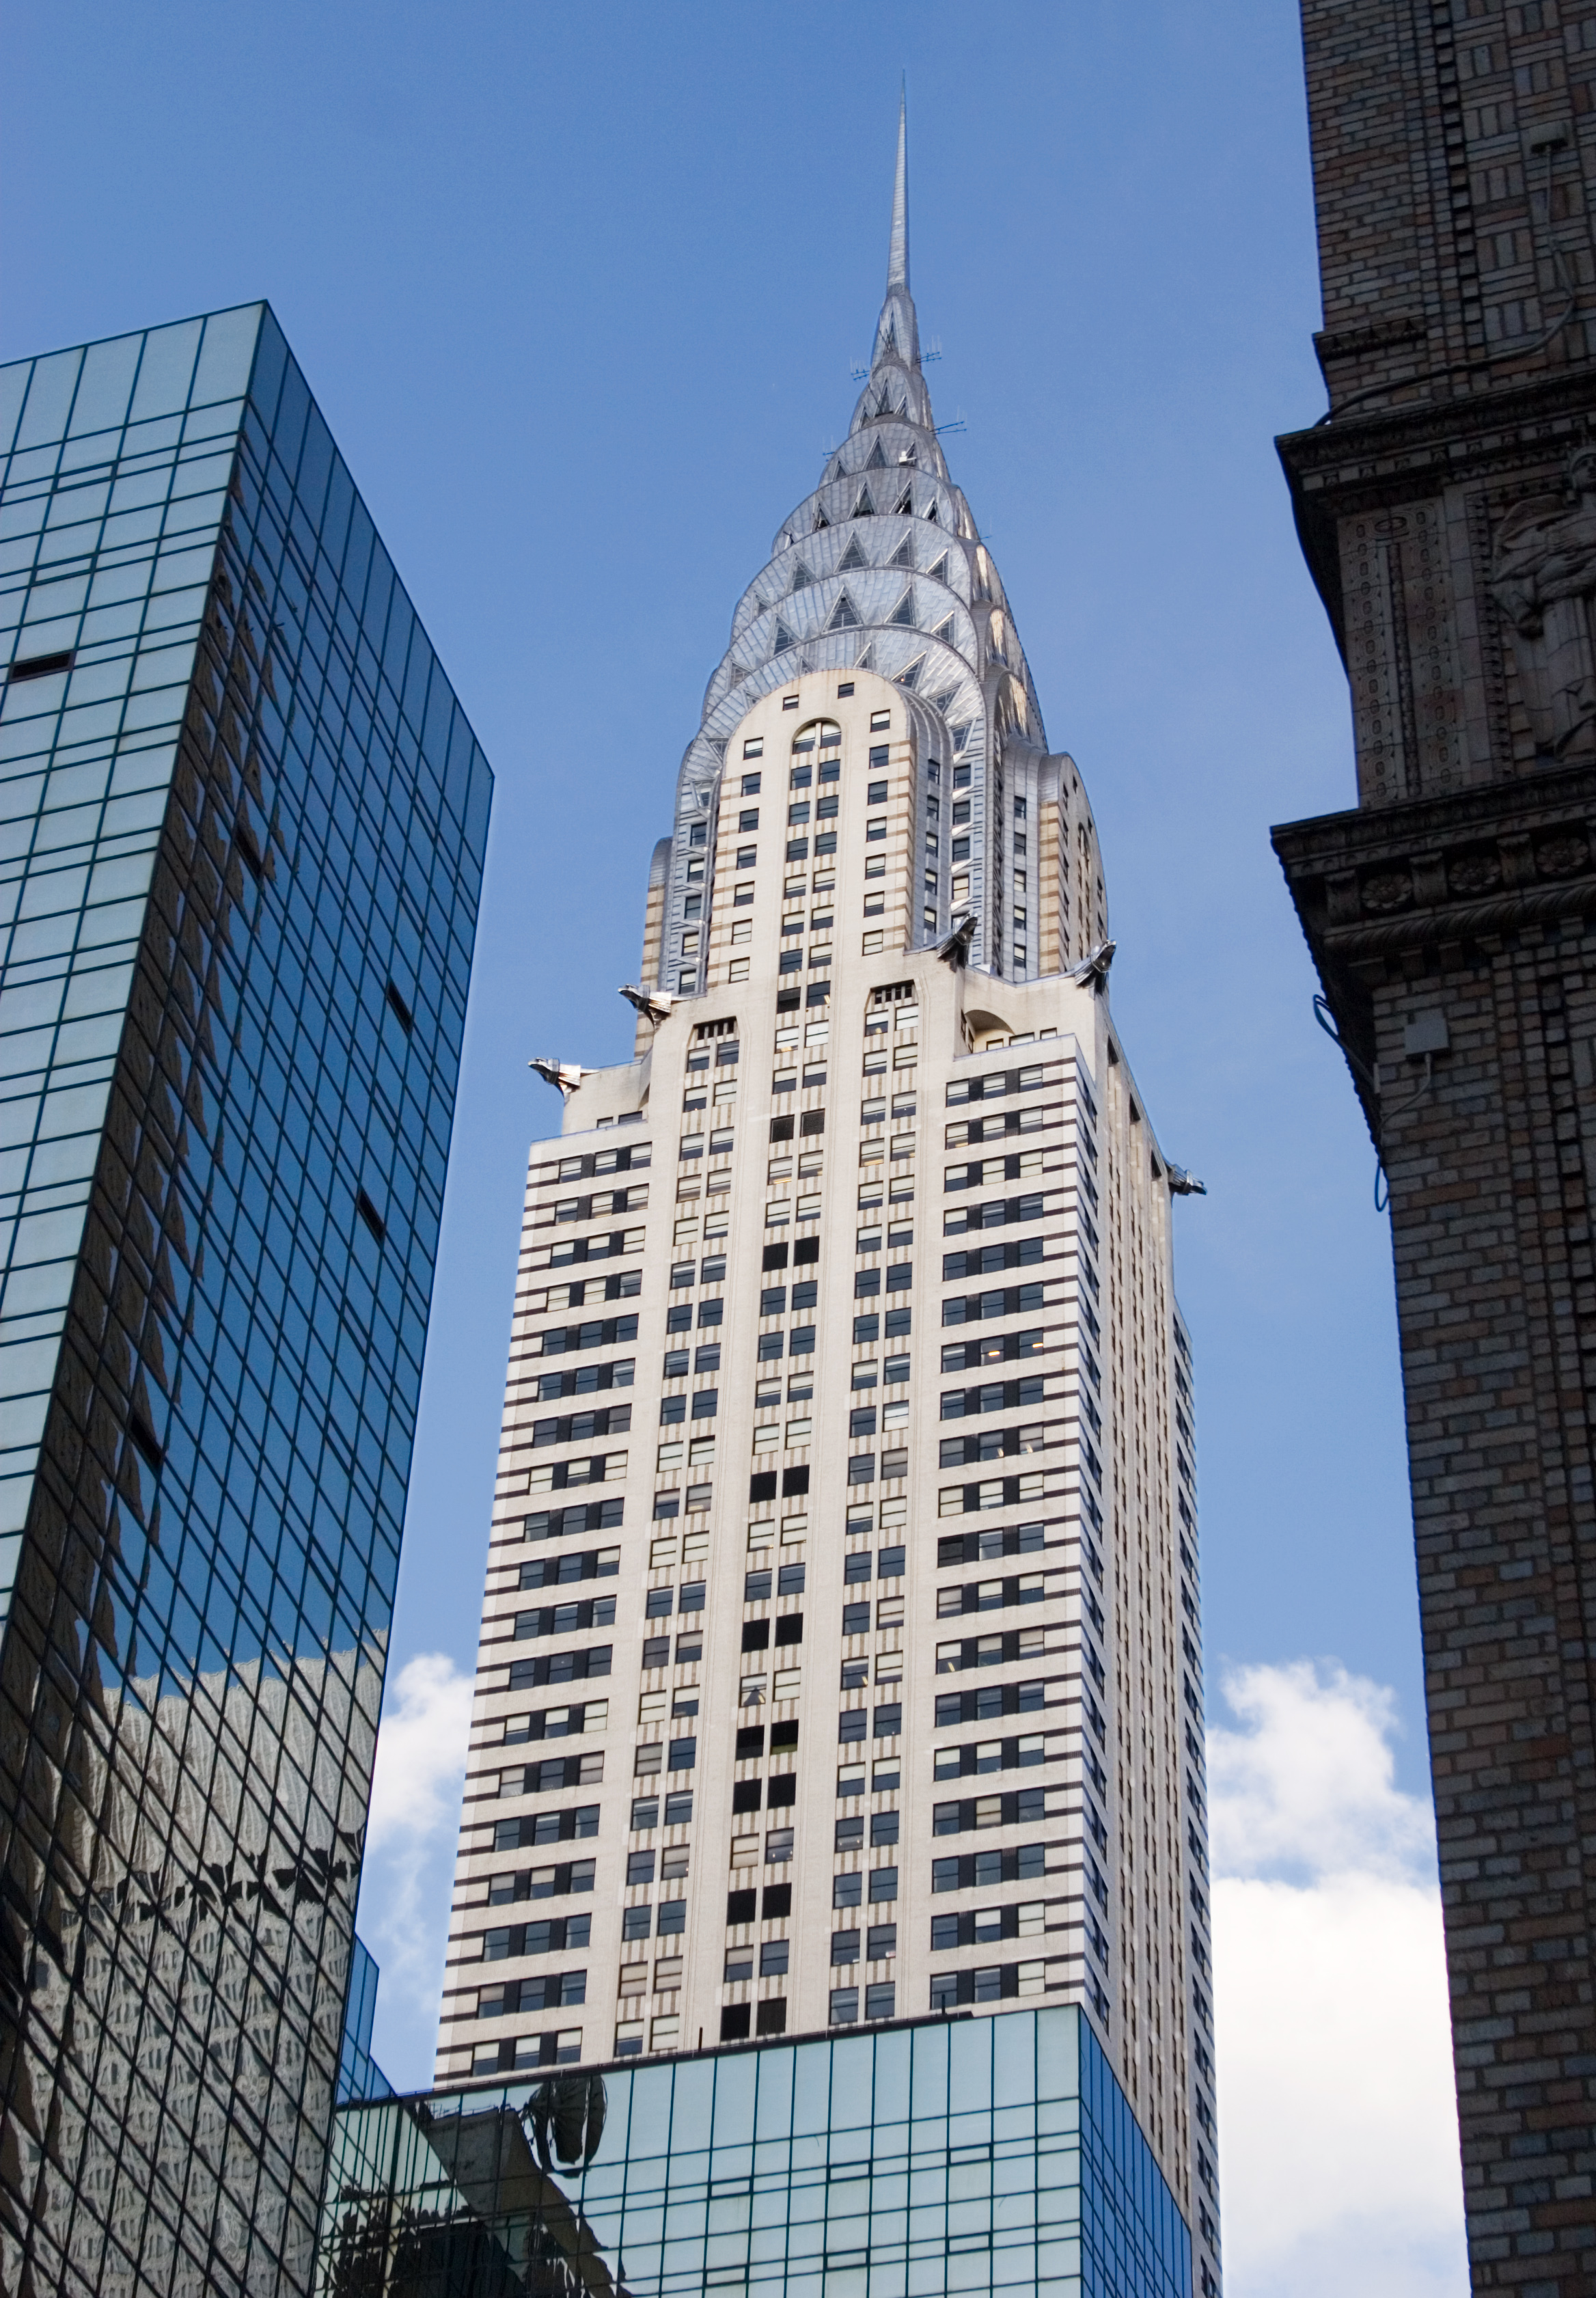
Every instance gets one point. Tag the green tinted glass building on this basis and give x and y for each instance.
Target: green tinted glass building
(241, 827)
(971, 2154)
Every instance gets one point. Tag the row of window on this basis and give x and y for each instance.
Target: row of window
(519, 2053)
(969, 1871)
(972, 1870)
(849, 1830)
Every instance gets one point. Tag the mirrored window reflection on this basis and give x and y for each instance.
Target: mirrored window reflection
(1005, 2142)
(250, 821)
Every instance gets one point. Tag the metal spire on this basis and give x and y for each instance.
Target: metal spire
(898, 259)
(897, 330)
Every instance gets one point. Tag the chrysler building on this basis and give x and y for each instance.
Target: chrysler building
(841, 1659)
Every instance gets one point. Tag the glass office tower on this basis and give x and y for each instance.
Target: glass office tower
(973, 2154)
(243, 821)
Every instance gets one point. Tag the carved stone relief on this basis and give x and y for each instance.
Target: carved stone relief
(1544, 577)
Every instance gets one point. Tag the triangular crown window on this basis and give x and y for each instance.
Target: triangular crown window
(944, 629)
(940, 570)
(903, 556)
(867, 659)
(904, 612)
(863, 507)
(852, 556)
(911, 676)
(801, 576)
(905, 501)
(820, 520)
(875, 460)
(931, 513)
(844, 615)
(784, 637)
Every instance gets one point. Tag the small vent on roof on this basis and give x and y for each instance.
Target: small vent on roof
(371, 1217)
(39, 665)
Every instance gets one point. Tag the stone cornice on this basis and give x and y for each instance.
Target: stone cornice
(1438, 437)
(1480, 861)
(1369, 462)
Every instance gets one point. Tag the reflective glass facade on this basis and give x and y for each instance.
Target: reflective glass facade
(358, 2074)
(971, 2155)
(241, 827)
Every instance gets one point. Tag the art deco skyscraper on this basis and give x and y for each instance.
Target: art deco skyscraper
(839, 1659)
(242, 829)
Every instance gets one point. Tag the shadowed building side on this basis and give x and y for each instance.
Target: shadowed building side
(1447, 509)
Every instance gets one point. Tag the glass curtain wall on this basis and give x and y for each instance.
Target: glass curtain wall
(972, 2154)
(243, 819)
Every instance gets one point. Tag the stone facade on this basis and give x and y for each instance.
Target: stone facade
(874, 1685)
(1445, 508)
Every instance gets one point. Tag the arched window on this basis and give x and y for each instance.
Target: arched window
(820, 734)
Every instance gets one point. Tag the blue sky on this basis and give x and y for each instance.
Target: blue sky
(579, 291)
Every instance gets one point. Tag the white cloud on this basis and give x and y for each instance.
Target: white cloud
(409, 1872)
(420, 1750)
(1339, 2129)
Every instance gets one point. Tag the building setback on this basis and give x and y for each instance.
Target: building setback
(244, 823)
(1447, 509)
(840, 1653)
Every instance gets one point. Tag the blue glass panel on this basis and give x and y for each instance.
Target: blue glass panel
(1093, 2221)
(208, 1360)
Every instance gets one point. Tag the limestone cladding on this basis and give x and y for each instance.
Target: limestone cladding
(877, 1312)
(840, 1656)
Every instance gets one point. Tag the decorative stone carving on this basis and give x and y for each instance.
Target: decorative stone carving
(1564, 857)
(1544, 577)
(1387, 890)
(1476, 872)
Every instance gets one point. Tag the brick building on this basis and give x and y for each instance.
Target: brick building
(1447, 509)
